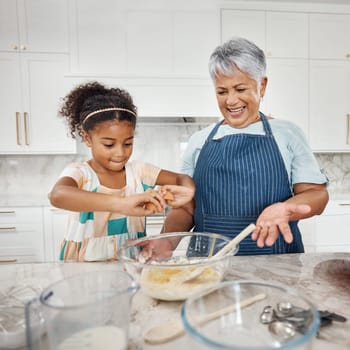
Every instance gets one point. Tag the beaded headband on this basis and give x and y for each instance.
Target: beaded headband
(106, 110)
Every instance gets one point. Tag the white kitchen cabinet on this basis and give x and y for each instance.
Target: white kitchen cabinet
(333, 228)
(287, 90)
(287, 34)
(287, 93)
(307, 228)
(155, 52)
(138, 39)
(329, 36)
(330, 105)
(21, 234)
(157, 97)
(55, 222)
(34, 25)
(31, 86)
(249, 24)
(280, 34)
(328, 232)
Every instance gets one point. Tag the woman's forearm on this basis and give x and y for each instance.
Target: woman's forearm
(316, 197)
(179, 219)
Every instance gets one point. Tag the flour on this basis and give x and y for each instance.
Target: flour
(161, 283)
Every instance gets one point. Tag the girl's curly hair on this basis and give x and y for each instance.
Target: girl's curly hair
(90, 97)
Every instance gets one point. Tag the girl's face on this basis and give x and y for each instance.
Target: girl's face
(111, 144)
(239, 98)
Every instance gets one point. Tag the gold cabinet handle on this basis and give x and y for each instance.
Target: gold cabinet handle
(15, 47)
(25, 116)
(8, 260)
(348, 129)
(6, 212)
(17, 129)
(9, 228)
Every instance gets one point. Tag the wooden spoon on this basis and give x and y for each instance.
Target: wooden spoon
(185, 276)
(172, 329)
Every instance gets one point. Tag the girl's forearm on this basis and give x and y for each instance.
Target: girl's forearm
(74, 199)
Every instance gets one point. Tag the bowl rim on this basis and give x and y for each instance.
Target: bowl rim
(292, 344)
(126, 259)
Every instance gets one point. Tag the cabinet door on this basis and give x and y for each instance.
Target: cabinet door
(332, 233)
(99, 37)
(149, 49)
(308, 232)
(195, 37)
(329, 105)
(287, 91)
(44, 87)
(248, 24)
(9, 38)
(55, 222)
(34, 25)
(11, 118)
(43, 25)
(287, 34)
(329, 36)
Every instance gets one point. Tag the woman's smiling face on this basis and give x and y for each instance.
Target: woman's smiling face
(238, 97)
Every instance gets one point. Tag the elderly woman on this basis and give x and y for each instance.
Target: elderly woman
(249, 167)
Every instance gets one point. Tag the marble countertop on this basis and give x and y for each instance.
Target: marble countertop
(323, 277)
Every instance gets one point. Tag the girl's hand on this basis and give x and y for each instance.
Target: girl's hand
(181, 194)
(143, 204)
(274, 220)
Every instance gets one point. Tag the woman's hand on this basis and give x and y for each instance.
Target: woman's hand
(274, 220)
(182, 195)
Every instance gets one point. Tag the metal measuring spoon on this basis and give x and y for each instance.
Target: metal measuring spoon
(283, 331)
(288, 309)
(286, 321)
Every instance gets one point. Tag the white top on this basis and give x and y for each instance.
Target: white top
(298, 158)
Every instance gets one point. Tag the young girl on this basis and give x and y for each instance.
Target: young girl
(108, 196)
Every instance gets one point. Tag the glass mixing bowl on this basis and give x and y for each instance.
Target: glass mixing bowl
(174, 266)
(248, 315)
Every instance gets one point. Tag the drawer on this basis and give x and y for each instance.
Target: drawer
(21, 235)
(12, 216)
(19, 259)
(333, 230)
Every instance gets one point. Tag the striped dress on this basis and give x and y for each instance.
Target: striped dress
(96, 236)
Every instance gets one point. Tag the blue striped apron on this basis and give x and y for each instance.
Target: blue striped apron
(236, 177)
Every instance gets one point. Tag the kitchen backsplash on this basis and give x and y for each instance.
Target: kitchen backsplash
(162, 145)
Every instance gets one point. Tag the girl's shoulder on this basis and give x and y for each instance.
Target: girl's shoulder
(78, 167)
(82, 173)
